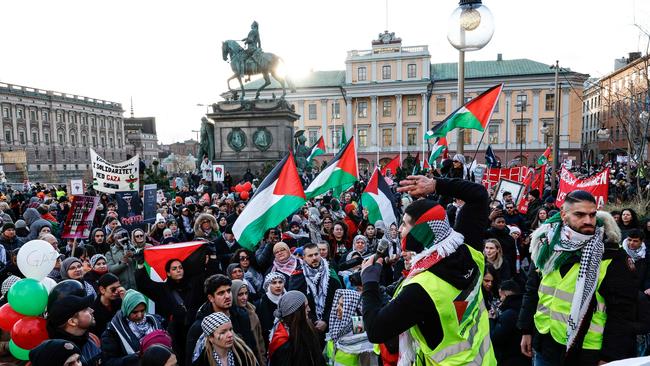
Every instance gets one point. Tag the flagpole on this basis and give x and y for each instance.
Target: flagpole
(479, 143)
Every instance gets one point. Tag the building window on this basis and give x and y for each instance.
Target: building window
(493, 134)
(387, 137)
(92, 122)
(32, 115)
(20, 113)
(336, 110)
(94, 141)
(72, 118)
(313, 137)
(522, 100)
(386, 109)
(550, 102)
(363, 138)
(49, 156)
(362, 110)
(75, 154)
(21, 137)
(411, 71)
(496, 107)
(110, 142)
(83, 118)
(385, 72)
(336, 137)
(34, 137)
(362, 74)
(8, 136)
(59, 117)
(312, 111)
(38, 166)
(411, 136)
(61, 140)
(520, 133)
(73, 140)
(6, 112)
(441, 106)
(119, 144)
(103, 140)
(46, 137)
(467, 137)
(548, 138)
(412, 106)
(46, 116)
(83, 140)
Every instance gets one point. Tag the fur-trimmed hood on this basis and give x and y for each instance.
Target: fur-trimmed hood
(612, 232)
(202, 217)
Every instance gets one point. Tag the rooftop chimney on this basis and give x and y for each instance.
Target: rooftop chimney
(499, 57)
(633, 56)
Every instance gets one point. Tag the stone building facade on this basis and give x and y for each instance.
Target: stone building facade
(55, 131)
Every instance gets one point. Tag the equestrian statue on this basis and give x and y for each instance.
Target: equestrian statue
(253, 61)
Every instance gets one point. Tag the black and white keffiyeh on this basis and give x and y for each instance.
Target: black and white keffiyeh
(317, 282)
(338, 328)
(635, 254)
(558, 243)
(217, 359)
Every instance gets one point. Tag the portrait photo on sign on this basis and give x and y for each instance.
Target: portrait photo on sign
(513, 187)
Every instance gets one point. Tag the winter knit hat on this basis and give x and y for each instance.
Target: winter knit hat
(95, 258)
(514, 229)
(159, 218)
(231, 268)
(272, 276)
(289, 303)
(6, 285)
(158, 336)
(131, 300)
(53, 352)
(213, 321)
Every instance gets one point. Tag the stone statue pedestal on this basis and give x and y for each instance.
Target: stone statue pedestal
(251, 133)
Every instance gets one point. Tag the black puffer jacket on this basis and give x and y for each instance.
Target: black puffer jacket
(506, 336)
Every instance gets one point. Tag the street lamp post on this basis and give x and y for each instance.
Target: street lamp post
(471, 27)
(521, 105)
(556, 131)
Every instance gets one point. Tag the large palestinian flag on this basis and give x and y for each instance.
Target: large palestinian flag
(339, 175)
(279, 195)
(317, 149)
(438, 148)
(378, 199)
(190, 253)
(474, 115)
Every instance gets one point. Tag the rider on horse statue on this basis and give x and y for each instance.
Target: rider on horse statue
(253, 45)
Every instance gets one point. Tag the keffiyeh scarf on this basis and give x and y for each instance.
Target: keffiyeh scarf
(217, 359)
(140, 329)
(317, 282)
(287, 267)
(635, 254)
(558, 243)
(338, 328)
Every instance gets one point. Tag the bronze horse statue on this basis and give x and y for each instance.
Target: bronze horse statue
(264, 63)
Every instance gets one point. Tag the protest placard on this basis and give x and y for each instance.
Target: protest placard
(110, 178)
(80, 218)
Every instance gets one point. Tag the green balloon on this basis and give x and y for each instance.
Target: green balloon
(28, 297)
(19, 353)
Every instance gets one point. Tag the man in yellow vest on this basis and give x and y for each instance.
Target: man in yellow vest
(580, 303)
(438, 310)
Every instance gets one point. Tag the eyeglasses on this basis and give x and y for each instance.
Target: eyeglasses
(244, 258)
(139, 236)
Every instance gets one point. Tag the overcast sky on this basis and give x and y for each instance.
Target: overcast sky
(167, 56)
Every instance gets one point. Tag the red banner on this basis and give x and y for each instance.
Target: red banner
(534, 180)
(80, 218)
(597, 185)
(492, 176)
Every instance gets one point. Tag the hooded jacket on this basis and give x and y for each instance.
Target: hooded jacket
(120, 346)
(198, 232)
(35, 223)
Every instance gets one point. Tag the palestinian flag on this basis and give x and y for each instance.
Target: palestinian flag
(317, 149)
(339, 175)
(378, 199)
(543, 159)
(438, 148)
(392, 165)
(190, 253)
(474, 115)
(279, 195)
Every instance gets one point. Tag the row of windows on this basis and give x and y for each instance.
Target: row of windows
(386, 72)
(72, 140)
(45, 116)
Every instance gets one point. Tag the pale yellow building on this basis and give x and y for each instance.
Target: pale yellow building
(390, 94)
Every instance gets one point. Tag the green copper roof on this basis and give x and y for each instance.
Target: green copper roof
(444, 71)
(487, 69)
(315, 79)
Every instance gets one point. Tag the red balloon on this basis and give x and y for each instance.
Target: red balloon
(8, 317)
(244, 195)
(248, 186)
(239, 188)
(29, 332)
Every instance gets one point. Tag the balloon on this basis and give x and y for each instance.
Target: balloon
(19, 353)
(244, 195)
(248, 186)
(29, 332)
(36, 259)
(48, 283)
(8, 317)
(28, 297)
(64, 288)
(239, 188)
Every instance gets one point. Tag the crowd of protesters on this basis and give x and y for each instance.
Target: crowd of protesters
(296, 298)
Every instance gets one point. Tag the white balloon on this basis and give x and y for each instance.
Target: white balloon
(36, 259)
(49, 284)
